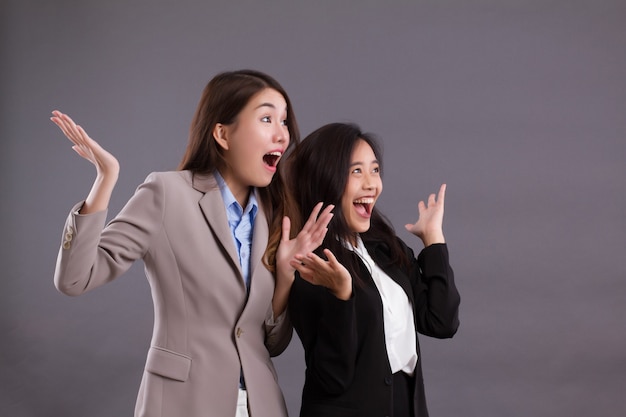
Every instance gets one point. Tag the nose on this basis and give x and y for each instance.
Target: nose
(281, 135)
(368, 182)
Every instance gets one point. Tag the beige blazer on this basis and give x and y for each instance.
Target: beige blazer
(206, 326)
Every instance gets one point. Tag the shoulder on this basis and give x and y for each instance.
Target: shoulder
(175, 180)
(167, 185)
(170, 176)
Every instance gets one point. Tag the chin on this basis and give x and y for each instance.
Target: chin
(362, 228)
(263, 182)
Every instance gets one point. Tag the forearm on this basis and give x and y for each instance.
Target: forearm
(100, 194)
(278, 327)
(437, 297)
(284, 280)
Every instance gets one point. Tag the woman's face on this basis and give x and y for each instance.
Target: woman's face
(363, 187)
(255, 142)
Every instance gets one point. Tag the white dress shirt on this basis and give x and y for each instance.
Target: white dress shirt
(400, 337)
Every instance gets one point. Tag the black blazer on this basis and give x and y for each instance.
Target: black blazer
(348, 372)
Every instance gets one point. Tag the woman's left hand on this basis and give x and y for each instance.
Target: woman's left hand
(310, 237)
(327, 273)
(429, 225)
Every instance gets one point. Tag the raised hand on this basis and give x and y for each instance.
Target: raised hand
(310, 237)
(105, 163)
(429, 225)
(107, 166)
(330, 274)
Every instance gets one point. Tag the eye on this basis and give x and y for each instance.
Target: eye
(266, 119)
(376, 170)
(356, 171)
(284, 122)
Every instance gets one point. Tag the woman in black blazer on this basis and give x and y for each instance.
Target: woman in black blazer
(358, 302)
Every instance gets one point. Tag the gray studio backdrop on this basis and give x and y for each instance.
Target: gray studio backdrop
(519, 106)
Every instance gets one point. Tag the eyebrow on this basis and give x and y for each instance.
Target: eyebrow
(374, 161)
(267, 105)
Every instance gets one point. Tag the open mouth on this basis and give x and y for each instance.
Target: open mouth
(364, 206)
(272, 158)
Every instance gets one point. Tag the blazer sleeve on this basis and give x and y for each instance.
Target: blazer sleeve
(92, 254)
(435, 294)
(278, 332)
(327, 327)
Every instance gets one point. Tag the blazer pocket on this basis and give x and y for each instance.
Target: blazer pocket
(168, 363)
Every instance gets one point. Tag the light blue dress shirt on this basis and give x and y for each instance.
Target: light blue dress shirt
(241, 223)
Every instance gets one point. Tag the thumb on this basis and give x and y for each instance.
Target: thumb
(286, 229)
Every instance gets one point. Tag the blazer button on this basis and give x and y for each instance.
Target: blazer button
(69, 236)
(388, 380)
(239, 332)
(66, 245)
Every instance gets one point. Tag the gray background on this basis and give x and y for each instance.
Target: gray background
(518, 105)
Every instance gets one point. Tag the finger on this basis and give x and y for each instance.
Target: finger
(308, 267)
(328, 211)
(324, 219)
(299, 266)
(431, 200)
(286, 229)
(310, 259)
(82, 139)
(84, 153)
(307, 274)
(67, 122)
(313, 264)
(62, 125)
(332, 260)
(66, 118)
(442, 194)
(320, 228)
(67, 125)
(318, 237)
(313, 217)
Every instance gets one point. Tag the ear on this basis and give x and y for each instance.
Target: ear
(220, 134)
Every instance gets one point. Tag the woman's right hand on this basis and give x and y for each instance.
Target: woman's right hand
(107, 166)
(330, 274)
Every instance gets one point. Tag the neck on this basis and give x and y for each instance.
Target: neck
(240, 191)
(241, 195)
(352, 239)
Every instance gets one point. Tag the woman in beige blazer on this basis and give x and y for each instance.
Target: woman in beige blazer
(219, 302)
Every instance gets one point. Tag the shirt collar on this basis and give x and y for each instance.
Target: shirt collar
(231, 203)
(359, 244)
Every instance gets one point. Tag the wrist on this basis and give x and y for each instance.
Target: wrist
(107, 179)
(433, 238)
(284, 273)
(342, 291)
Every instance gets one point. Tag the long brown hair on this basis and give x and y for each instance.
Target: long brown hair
(221, 102)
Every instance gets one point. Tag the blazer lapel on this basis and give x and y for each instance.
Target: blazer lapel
(260, 234)
(378, 254)
(212, 207)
